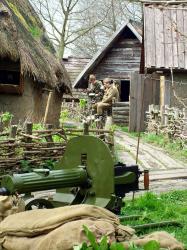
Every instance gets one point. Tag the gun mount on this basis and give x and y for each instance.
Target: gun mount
(86, 174)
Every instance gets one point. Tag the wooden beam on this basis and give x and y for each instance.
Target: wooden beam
(164, 91)
(47, 106)
(164, 96)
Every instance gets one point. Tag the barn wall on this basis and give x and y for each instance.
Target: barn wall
(121, 60)
(29, 105)
(74, 66)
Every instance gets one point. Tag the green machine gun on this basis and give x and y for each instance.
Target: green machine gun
(86, 174)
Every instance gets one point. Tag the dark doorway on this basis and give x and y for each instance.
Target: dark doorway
(125, 90)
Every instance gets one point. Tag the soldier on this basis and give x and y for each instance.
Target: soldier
(96, 88)
(111, 93)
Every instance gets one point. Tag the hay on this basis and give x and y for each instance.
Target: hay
(17, 20)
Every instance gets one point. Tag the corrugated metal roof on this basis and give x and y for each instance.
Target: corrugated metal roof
(165, 36)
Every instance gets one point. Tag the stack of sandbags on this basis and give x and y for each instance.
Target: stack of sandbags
(10, 205)
(61, 228)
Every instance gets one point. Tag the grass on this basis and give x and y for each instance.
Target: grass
(154, 208)
(173, 147)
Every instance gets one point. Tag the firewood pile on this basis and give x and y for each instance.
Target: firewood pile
(21, 146)
(169, 121)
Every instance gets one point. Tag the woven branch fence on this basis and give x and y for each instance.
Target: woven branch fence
(20, 147)
(167, 120)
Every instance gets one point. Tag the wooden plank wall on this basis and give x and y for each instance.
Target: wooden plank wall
(144, 91)
(164, 36)
(74, 66)
(122, 59)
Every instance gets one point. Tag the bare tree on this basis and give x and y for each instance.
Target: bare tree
(65, 20)
(117, 12)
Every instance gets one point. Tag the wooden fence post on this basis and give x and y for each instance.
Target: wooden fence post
(86, 129)
(13, 131)
(49, 138)
(28, 131)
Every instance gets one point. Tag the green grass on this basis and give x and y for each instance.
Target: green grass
(173, 147)
(153, 208)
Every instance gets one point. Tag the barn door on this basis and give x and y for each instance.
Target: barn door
(143, 92)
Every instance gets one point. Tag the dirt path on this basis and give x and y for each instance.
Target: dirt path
(166, 173)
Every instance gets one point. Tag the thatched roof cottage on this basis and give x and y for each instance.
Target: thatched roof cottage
(28, 68)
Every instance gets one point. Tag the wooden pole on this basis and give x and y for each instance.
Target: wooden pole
(47, 106)
(162, 91)
(164, 97)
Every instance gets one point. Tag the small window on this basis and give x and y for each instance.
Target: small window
(11, 81)
(9, 77)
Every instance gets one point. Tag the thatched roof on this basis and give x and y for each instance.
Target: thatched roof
(23, 39)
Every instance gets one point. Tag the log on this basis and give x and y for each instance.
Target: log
(125, 109)
(120, 117)
(120, 112)
(120, 104)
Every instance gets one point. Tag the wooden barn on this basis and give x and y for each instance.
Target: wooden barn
(74, 66)
(32, 80)
(163, 78)
(165, 48)
(117, 60)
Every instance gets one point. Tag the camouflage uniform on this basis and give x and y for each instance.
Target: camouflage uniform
(98, 89)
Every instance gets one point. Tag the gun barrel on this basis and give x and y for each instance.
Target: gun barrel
(44, 180)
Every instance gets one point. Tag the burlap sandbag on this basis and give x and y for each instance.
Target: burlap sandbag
(59, 228)
(10, 205)
(165, 240)
(62, 228)
(64, 237)
(34, 222)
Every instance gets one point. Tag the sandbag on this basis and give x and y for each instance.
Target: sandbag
(34, 222)
(10, 205)
(64, 237)
(58, 228)
(165, 240)
(62, 228)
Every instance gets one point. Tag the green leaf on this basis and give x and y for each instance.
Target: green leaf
(83, 246)
(82, 103)
(103, 243)
(152, 245)
(91, 238)
(117, 246)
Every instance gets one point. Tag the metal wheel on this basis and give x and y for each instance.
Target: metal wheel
(38, 204)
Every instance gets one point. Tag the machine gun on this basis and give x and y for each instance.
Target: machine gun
(85, 175)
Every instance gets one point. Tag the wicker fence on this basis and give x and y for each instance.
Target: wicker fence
(169, 121)
(18, 146)
(28, 147)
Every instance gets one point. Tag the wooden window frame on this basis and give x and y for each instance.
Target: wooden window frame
(13, 89)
